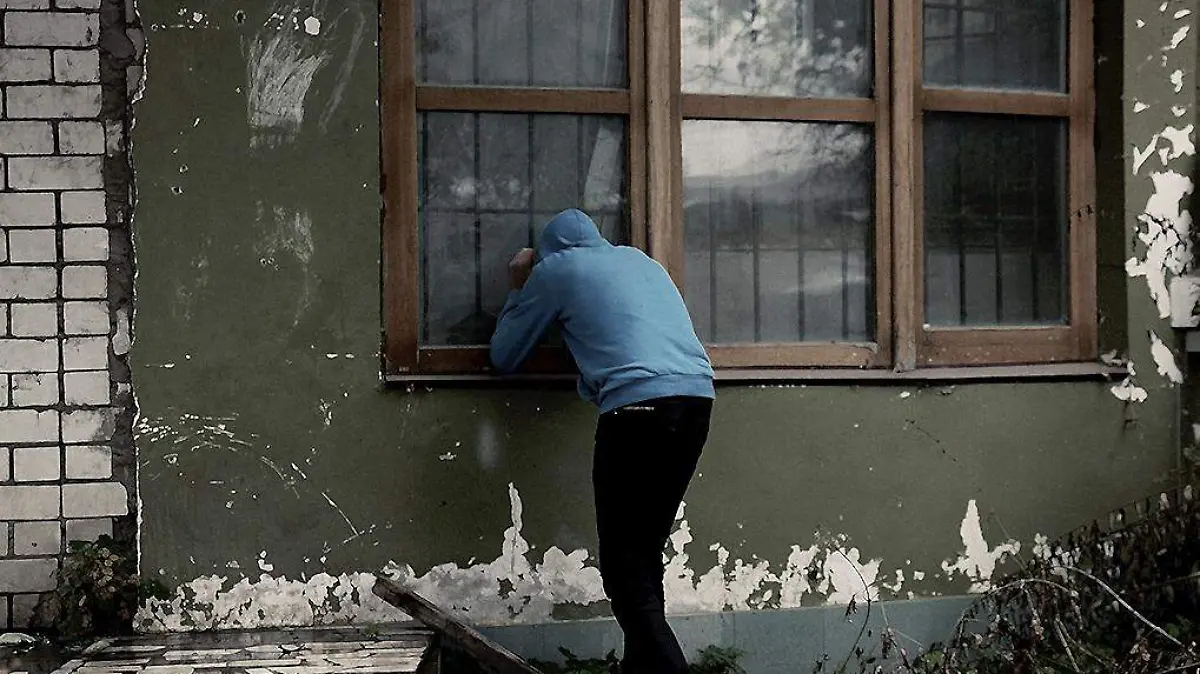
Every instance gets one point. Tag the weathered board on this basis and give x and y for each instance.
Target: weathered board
(491, 656)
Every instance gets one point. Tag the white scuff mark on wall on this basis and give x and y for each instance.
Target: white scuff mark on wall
(354, 531)
(1164, 359)
(978, 561)
(312, 25)
(1165, 233)
(289, 232)
(1177, 80)
(1139, 106)
(279, 71)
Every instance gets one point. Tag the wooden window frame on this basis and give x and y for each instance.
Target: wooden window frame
(655, 107)
(402, 100)
(920, 345)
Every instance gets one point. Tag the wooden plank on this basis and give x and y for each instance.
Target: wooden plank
(662, 146)
(776, 108)
(401, 258)
(883, 185)
(490, 655)
(996, 346)
(996, 102)
(524, 99)
(906, 199)
(1082, 168)
(792, 355)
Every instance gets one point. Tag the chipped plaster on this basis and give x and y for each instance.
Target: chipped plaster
(516, 587)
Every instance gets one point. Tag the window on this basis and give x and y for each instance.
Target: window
(831, 183)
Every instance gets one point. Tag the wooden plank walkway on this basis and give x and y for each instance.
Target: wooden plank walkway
(402, 649)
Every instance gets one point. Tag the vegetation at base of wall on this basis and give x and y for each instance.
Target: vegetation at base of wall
(1122, 599)
(711, 660)
(99, 589)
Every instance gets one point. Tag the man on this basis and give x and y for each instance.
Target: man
(641, 363)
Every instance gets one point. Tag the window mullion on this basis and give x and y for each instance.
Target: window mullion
(664, 144)
(907, 271)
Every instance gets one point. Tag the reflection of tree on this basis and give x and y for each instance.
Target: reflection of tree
(777, 47)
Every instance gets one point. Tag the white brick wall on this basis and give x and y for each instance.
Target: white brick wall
(57, 420)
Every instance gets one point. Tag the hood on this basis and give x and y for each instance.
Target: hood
(570, 229)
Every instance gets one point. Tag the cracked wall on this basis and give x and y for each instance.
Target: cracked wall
(275, 472)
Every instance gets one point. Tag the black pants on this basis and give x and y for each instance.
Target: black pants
(645, 456)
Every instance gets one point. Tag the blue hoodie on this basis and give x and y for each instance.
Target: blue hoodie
(621, 315)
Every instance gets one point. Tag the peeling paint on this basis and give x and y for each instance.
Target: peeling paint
(516, 588)
(978, 561)
(1166, 231)
(1164, 359)
(1128, 391)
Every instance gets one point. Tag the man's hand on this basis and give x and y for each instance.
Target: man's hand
(519, 268)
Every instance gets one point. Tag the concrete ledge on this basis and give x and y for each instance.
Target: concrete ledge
(783, 641)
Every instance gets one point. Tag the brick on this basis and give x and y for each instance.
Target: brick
(56, 173)
(34, 245)
(34, 320)
(85, 353)
(79, 4)
(89, 463)
(51, 29)
(81, 138)
(33, 390)
(37, 538)
(84, 426)
(18, 138)
(4, 623)
(54, 102)
(27, 575)
(3, 241)
(4, 477)
(22, 209)
(95, 499)
(83, 208)
(85, 282)
(28, 283)
(32, 611)
(77, 65)
(88, 530)
(28, 355)
(36, 464)
(86, 318)
(29, 502)
(86, 388)
(24, 4)
(24, 65)
(87, 244)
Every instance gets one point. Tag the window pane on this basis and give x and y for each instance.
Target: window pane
(778, 231)
(996, 44)
(800, 48)
(488, 183)
(547, 43)
(995, 220)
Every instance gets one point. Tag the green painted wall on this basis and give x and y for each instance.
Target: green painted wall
(264, 426)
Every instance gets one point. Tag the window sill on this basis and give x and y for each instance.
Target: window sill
(731, 377)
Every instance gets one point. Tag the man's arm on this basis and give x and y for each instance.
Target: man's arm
(531, 307)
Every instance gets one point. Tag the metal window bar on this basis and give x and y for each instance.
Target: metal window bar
(997, 232)
(712, 266)
(755, 222)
